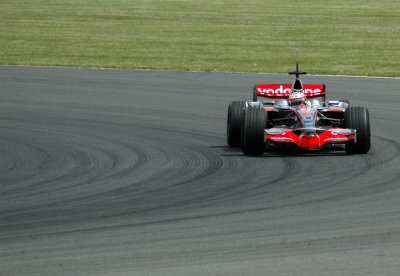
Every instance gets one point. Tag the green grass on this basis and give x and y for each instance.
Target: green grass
(352, 37)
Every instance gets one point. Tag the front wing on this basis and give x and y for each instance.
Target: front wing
(310, 138)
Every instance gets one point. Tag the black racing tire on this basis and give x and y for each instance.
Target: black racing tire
(358, 118)
(254, 121)
(233, 124)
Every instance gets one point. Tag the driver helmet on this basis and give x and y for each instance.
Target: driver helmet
(297, 97)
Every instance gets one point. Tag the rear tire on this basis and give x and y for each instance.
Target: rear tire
(234, 121)
(254, 121)
(358, 118)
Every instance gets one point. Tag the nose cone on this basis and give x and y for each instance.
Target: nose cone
(310, 132)
(309, 142)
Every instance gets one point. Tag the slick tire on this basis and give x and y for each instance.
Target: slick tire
(358, 118)
(254, 121)
(234, 121)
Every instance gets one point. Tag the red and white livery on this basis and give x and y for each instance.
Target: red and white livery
(296, 116)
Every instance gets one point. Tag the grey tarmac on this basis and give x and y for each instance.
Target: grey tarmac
(127, 172)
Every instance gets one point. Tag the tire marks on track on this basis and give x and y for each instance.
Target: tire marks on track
(104, 180)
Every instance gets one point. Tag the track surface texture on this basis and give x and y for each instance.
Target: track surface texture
(120, 172)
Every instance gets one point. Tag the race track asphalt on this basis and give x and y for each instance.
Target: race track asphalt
(124, 172)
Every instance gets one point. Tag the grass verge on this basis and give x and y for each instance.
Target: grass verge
(351, 37)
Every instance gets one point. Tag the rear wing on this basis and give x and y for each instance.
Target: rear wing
(276, 91)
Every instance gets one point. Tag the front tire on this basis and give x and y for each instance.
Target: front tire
(358, 118)
(254, 121)
(234, 121)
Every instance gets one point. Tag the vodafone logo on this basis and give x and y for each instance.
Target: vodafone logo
(315, 91)
(281, 139)
(279, 90)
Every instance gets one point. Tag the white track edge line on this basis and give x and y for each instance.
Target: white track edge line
(206, 72)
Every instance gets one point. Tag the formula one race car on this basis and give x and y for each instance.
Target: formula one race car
(296, 116)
